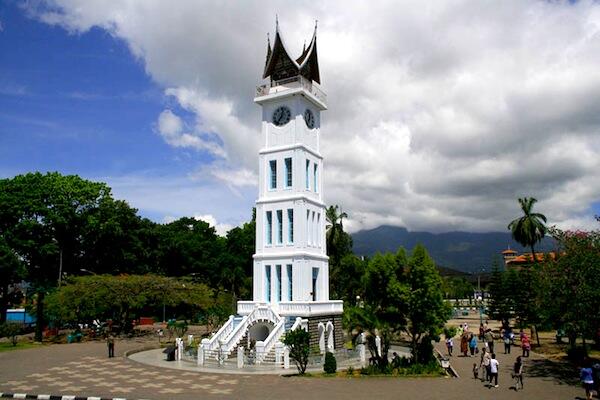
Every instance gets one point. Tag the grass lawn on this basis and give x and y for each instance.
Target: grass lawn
(7, 346)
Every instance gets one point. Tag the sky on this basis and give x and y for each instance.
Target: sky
(441, 114)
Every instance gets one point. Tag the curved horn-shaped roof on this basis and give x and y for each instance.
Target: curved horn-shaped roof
(280, 65)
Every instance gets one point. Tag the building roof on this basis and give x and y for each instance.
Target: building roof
(509, 251)
(280, 65)
(527, 258)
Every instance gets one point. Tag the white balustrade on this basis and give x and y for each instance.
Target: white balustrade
(308, 308)
(226, 329)
(271, 340)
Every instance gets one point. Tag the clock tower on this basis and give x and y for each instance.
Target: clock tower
(291, 270)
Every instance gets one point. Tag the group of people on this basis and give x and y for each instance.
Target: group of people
(488, 363)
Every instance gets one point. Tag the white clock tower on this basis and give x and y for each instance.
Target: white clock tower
(291, 271)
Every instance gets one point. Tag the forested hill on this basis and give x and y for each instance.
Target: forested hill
(464, 251)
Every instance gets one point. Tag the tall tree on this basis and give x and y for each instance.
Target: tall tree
(339, 245)
(41, 217)
(426, 312)
(11, 271)
(530, 228)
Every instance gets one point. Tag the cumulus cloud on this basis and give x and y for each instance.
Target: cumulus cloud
(221, 229)
(439, 116)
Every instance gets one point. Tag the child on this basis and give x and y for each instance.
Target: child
(449, 345)
(475, 371)
(518, 373)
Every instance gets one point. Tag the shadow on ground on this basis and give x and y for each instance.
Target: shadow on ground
(562, 372)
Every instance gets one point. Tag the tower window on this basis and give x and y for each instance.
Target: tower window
(273, 174)
(318, 230)
(269, 231)
(290, 217)
(279, 226)
(278, 274)
(307, 174)
(268, 283)
(290, 285)
(288, 172)
(308, 228)
(315, 178)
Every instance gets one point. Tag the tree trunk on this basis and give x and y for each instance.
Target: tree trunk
(39, 315)
(537, 335)
(4, 303)
(533, 254)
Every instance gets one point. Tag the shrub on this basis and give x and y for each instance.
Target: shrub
(11, 331)
(350, 371)
(298, 341)
(450, 331)
(330, 365)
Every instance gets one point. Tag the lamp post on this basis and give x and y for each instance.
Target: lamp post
(480, 296)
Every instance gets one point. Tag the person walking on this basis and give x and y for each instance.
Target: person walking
(449, 345)
(506, 340)
(110, 343)
(485, 365)
(587, 379)
(464, 344)
(525, 344)
(473, 344)
(494, 367)
(518, 373)
(489, 339)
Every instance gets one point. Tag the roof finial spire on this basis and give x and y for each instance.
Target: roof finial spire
(268, 40)
(304, 46)
(276, 21)
(316, 23)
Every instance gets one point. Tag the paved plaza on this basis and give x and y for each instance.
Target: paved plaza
(82, 369)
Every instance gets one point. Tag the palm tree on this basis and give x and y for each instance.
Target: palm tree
(528, 229)
(334, 226)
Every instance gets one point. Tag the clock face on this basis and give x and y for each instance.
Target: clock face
(309, 118)
(282, 116)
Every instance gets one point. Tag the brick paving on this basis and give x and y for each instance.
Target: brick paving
(82, 369)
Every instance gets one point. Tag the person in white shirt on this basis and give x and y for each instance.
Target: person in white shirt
(494, 366)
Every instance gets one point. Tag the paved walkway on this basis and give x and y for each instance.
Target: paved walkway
(83, 370)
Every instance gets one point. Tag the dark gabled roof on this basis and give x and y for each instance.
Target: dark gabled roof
(280, 65)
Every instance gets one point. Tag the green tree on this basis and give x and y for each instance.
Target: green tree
(122, 298)
(114, 239)
(502, 299)
(190, 246)
(11, 271)
(41, 217)
(237, 262)
(425, 309)
(528, 229)
(298, 342)
(569, 284)
(345, 280)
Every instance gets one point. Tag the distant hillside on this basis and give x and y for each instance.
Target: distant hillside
(463, 251)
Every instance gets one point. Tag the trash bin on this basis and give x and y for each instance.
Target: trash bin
(170, 352)
(70, 338)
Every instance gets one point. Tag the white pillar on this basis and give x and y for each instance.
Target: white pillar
(190, 339)
(201, 349)
(240, 357)
(260, 351)
(378, 345)
(278, 352)
(362, 354)
(286, 357)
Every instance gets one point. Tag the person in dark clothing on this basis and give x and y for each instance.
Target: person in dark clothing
(110, 343)
(518, 373)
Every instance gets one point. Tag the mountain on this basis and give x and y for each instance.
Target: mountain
(462, 251)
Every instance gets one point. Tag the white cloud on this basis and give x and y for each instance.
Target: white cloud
(440, 116)
(171, 127)
(221, 229)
